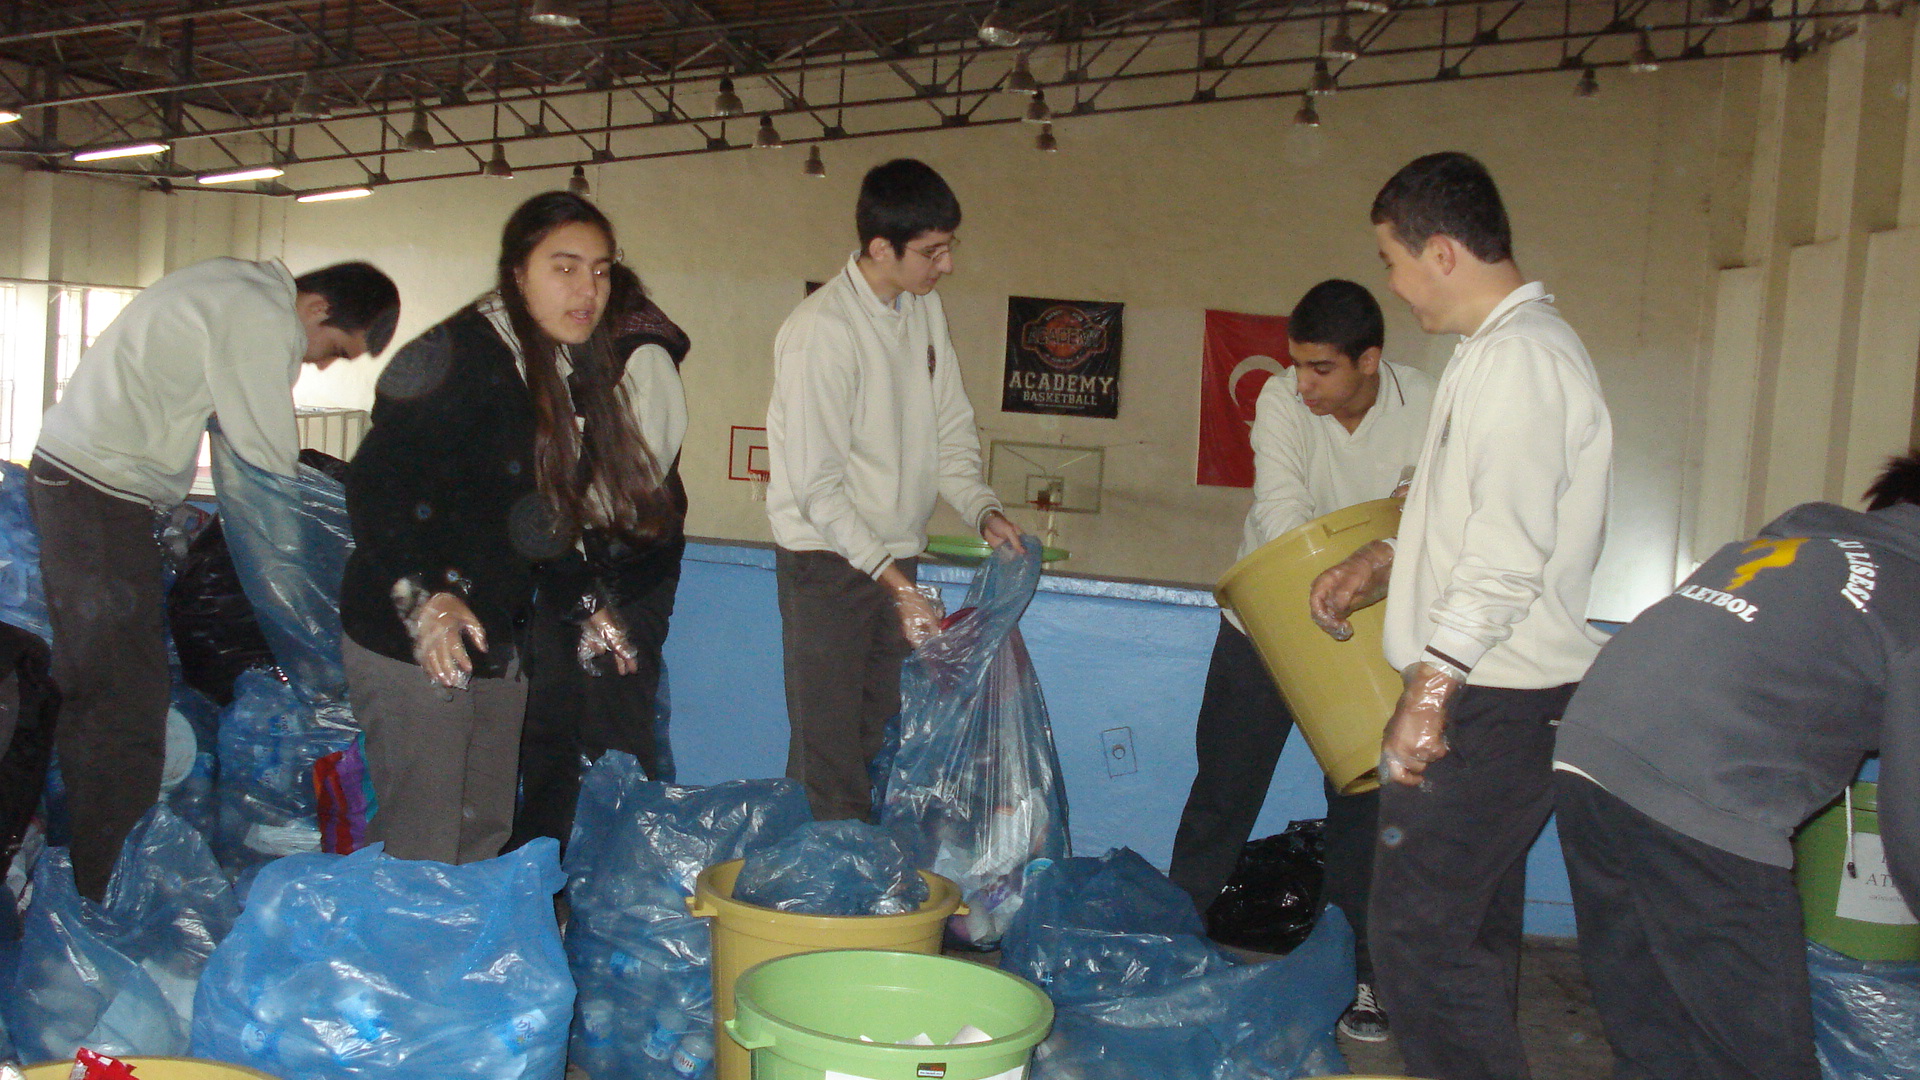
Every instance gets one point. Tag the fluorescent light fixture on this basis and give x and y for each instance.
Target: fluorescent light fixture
(104, 153)
(235, 176)
(335, 195)
(8, 116)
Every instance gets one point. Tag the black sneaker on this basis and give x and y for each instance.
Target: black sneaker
(1364, 1019)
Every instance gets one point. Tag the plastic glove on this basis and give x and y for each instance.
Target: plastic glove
(920, 614)
(1355, 582)
(603, 632)
(440, 627)
(1416, 736)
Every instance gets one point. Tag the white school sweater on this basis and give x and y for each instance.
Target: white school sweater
(218, 338)
(1307, 466)
(1501, 532)
(867, 425)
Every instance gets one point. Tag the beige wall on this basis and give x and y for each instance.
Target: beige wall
(1631, 206)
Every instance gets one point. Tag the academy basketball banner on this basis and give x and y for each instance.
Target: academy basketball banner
(1240, 353)
(1063, 357)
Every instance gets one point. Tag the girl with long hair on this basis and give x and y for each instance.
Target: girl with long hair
(499, 437)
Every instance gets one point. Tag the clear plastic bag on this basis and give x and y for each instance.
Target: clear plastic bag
(270, 741)
(1866, 1016)
(833, 868)
(975, 788)
(23, 599)
(290, 538)
(641, 962)
(1139, 994)
(367, 965)
(119, 977)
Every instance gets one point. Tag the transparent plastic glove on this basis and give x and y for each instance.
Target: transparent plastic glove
(1357, 581)
(1416, 736)
(920, 614)
(603, 632)
(441, 625)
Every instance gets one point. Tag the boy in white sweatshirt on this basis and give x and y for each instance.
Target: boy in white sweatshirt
(1486, 589)
(867, 425)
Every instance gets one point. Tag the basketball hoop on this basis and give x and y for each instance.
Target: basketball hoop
(759, 478)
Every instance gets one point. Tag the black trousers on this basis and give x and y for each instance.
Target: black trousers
(843, 648)
(1242, 728)
(1696, 957)
(101, 567)
(1449, 886)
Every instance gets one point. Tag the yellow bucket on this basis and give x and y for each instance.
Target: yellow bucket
(746, 934)
(159, 1068)
(1341, 692)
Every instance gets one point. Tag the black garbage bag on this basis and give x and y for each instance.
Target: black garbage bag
(1273, 897)
(214, 628)
(29, 704)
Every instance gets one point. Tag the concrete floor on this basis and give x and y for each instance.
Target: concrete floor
(1557, 1021)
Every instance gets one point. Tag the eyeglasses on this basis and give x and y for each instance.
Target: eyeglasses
(936, 252)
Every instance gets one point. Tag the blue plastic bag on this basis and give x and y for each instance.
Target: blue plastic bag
(119, 977)
(642, 963)
(833, 868)
(1866, 1016)
(975, 786)
(269, 742)
(1140, 995)
(23, 600)
(290, 538)
(368, 965)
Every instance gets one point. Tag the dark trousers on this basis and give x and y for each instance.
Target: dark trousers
(1243, 727)
(572, 719)
(101, 567)
(1449, 885)
(843, 648)
(1696, 957)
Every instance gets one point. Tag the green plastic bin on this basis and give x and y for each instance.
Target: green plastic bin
(1862, 916)
(802, 1017)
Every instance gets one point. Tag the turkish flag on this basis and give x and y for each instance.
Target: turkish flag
(1240, 354)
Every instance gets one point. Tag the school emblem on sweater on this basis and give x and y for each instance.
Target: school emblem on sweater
(1063, 357)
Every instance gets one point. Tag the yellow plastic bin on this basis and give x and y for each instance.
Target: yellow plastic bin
(746, 934)
(1341, 692)
(159, 1068)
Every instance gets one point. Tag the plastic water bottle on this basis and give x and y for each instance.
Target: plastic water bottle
(692, 1056)
(665, 1037)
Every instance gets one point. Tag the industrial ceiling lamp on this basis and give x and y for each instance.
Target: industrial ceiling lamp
(726, 102)
(1307, 116)
(815, 166)
(1588, 85)
(767, 138)
(1643, 61)
(561, 13)
(1037, 111)
(1341, 45)
(497, 166)
(1020, 80)
(1719, 12)
(143, 148)
(334, 195)
(149, 55)
(1370, 7)
(419, 137)
(307, 102)
(994, 31)
(577, 183)
(1323, 80)
(1045, 142)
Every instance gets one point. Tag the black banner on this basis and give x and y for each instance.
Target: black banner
(1063, 357)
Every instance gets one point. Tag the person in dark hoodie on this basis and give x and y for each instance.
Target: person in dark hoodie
(1705, 733)
(581, 704)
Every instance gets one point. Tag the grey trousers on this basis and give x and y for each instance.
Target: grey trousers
(104, 602)
(444, 763)
(843, 648)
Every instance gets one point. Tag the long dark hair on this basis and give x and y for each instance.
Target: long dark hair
(603, 476)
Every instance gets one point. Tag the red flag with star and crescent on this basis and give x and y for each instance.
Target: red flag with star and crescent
(1240, 354)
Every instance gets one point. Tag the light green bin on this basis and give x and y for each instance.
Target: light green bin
(802, 1017)
(1820, 860)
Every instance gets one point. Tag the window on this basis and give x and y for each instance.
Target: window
(44, 329)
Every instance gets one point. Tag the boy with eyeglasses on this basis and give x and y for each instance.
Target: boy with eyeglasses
(867, 425)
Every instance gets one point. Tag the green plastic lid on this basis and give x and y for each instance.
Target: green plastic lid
(973, 547)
